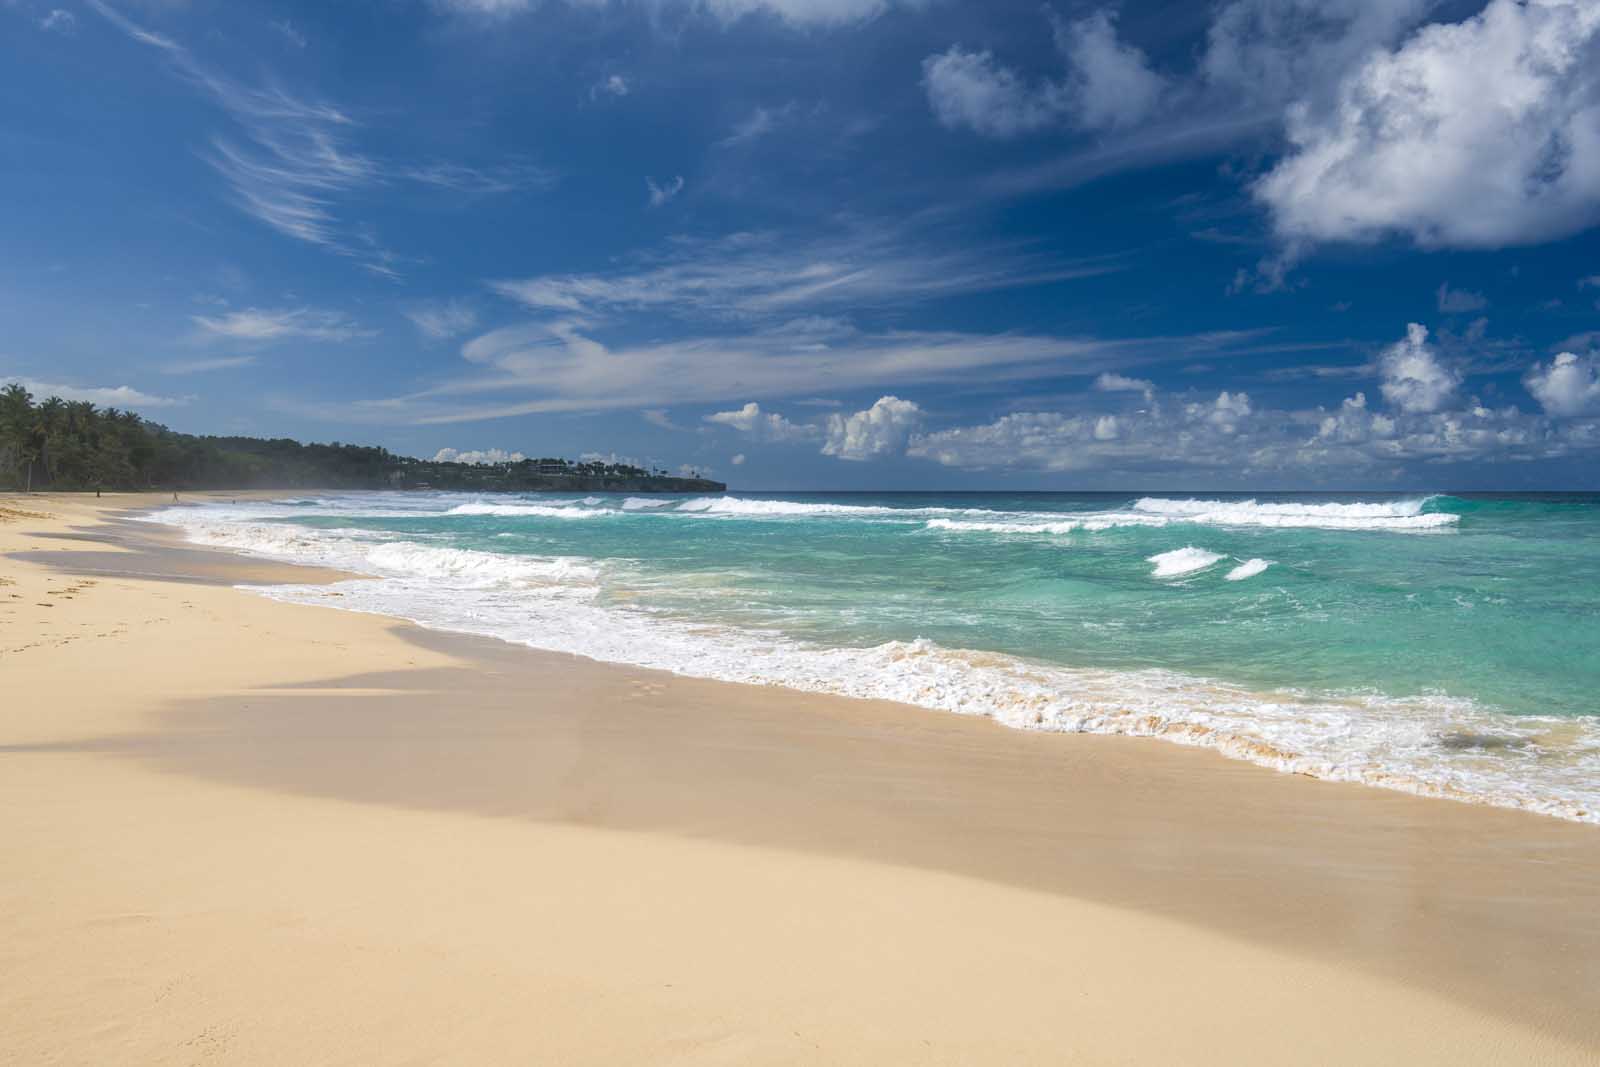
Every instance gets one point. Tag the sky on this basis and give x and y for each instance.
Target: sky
(853, 244)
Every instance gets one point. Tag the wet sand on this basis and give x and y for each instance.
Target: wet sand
(272, 833)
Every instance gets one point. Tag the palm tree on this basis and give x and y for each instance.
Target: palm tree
(16, 427)
(51, 429)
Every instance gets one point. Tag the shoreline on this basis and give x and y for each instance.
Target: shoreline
(1332, 736)
(1472, 930)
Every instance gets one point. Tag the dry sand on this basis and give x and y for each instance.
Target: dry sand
(246, 832)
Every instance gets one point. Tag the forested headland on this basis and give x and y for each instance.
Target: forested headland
(58, 444)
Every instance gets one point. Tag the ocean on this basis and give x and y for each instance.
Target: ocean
(1443, 645)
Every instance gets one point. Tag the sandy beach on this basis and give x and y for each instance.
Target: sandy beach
(240, 831)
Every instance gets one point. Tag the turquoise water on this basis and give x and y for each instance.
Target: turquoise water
(1442, 644)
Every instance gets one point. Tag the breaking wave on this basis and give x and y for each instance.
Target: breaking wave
(1181, 561)
(1248, 569)
(1397, 515)
(1546, 764)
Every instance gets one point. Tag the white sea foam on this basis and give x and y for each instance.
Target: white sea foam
(1181, 561)
(1399, 515)
(748, 507)
(1029, 528)
(1248, 569)
(564, 510)
(1549, 765)
(639, 503)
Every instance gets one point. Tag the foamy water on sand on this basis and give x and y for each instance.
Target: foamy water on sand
(1438, 645)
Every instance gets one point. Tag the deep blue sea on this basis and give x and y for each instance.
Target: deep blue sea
(1445, 645)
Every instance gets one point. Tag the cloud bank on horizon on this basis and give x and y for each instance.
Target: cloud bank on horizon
(822, 243)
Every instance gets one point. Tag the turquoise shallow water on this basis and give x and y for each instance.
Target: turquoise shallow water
(1443, 644)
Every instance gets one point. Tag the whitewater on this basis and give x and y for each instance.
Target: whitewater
(1439, 645)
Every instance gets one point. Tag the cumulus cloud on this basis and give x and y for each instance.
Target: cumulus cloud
(263, 324)
(970, 90)
(1230, 438)
(1409, 147)
(1118, 383)
(880, 430)
(737, 460)
(477, 457)
(1268, 53)
(765, 425)
(1108, 84)
(661, 194)
(1569, 385)
(440, 321)
(1413, 379)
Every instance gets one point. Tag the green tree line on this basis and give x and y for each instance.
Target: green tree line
(58, 444)
(61, 444)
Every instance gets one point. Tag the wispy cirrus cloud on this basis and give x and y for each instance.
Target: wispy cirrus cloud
(268, 324)
(760, 275)
(443, 320)
(562, 365)
(291, 166)
(801, 14)
(205, 366)
(664, 192)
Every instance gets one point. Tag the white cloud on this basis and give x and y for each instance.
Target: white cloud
(493, 8)
(1266, 53)
(1570, 385)
(479, 181)
(659, 417)
(611, 85)
(661, 194)
(880, 430)
(759, 123)
(802, 14)
(1108, 84)
(203, 366)
(737, 460)
(291, 33)
(1409, 146)
(440, 321)
(1413, 378)
(294, 164)
(765, 426)
(1232, 440)
(59, 21)
(968, 89)
(117, 396)
(757, 275)
(559, 367)
(263, 324)
(1459, 301)
(477, 457)
(1111, 83)
(1117, 383)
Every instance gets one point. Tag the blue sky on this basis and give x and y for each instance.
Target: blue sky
(825, 243)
